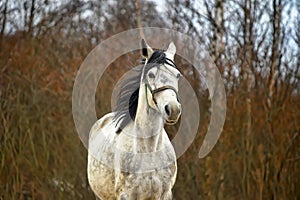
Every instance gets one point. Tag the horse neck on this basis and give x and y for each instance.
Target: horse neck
(149, 123)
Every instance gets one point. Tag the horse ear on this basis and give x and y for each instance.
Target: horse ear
(170, 52)
(171, 49)
(146, 50)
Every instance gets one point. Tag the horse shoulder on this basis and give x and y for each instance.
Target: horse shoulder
(101, 177)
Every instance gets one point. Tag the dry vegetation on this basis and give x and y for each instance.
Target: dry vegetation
(256, 46)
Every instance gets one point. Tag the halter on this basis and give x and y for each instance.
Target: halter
(165, 87)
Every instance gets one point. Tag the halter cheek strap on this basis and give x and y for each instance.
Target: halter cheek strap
(147, 100)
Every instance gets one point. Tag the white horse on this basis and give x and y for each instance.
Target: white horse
(130, 154)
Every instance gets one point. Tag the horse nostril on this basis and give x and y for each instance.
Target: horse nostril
(167, 109)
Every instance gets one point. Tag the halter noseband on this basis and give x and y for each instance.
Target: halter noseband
(153, 92)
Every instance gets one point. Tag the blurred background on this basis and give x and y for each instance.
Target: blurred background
(255, 45)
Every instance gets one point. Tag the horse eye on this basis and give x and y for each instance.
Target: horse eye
(151, 75)
(178, 75)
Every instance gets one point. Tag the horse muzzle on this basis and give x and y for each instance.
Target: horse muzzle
(172, 112)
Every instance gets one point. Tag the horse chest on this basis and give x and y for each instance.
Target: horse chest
(150, 184)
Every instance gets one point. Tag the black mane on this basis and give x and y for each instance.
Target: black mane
(128, 96)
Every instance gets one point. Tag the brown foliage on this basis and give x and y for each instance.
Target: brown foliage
(41, 156)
